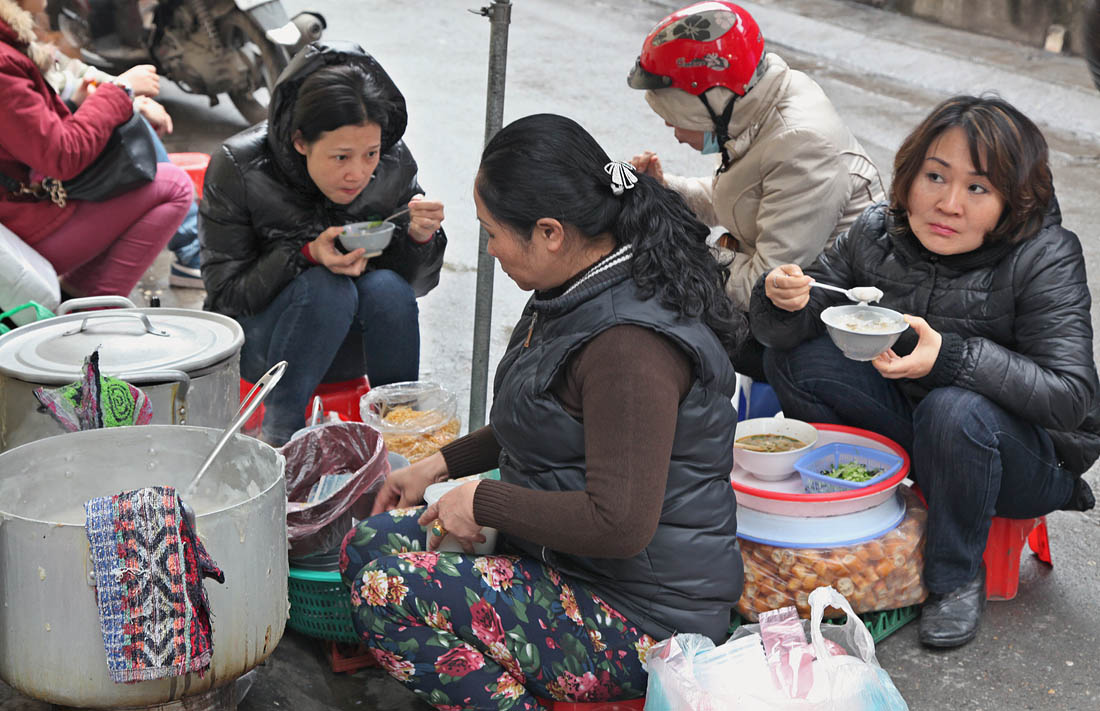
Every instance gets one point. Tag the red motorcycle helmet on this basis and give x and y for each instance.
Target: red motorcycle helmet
(708, 44)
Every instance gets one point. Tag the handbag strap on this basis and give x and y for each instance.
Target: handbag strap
(49, 188)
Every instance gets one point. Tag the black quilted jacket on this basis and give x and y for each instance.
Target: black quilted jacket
(260, 206)
(1014, 318)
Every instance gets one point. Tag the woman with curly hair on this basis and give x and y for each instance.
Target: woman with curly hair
(613, 431)
(993, 389)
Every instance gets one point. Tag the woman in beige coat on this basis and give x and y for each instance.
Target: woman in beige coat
(792, 176)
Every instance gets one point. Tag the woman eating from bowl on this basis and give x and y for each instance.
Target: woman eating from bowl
(993, 390)
(275, 201)
(613, 431)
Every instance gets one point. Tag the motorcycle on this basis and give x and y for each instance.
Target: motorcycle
(237, 47)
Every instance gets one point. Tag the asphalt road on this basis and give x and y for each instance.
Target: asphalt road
(884, 72)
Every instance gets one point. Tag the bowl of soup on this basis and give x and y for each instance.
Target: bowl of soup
(372, 236)
(862, 332)
(768, 447)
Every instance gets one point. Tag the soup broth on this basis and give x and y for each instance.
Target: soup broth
(769, 443)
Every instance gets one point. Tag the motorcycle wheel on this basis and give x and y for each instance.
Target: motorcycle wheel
(1092, 40)
(265, 59)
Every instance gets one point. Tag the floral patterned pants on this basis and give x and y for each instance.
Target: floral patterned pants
(484, 632)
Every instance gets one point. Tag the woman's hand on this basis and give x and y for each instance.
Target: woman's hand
(425, 216)
(405, 487)
(918, 363)
(155, 114)
(788, 288)
(82, 92)
(143, 80)
(649, 164)
(324, 252)
(455, 510)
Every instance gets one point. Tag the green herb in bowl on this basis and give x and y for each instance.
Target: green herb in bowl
(852, 471)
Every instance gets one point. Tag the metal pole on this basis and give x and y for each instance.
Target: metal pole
(500, 15)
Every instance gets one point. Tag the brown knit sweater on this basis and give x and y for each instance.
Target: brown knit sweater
(625, 385)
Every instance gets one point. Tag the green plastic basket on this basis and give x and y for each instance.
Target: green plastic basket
(880, 624)
(320, 605)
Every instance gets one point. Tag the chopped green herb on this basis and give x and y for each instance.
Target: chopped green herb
(852, 471)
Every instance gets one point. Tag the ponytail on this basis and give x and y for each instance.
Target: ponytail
(547, 165)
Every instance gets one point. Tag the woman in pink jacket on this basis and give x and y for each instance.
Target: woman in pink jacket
(97, 247)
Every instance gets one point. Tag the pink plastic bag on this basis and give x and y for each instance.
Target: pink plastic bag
(331, 449)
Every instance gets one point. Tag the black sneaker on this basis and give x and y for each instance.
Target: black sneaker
(184, 276)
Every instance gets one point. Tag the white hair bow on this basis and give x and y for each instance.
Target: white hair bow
(622, 176)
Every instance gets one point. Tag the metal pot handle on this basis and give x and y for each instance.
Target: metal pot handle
(94, 302)
(108, 314)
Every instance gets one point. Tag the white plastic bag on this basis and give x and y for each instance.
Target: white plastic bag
(25, 275)
(685, 673)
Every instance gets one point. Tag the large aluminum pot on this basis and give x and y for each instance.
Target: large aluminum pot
(51, 646)
(186, 361)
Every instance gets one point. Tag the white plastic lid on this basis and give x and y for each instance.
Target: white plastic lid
(822, 531)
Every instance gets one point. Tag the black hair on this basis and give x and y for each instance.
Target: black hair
(337, 96)
(547, 165)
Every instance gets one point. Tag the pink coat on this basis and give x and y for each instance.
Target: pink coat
(38, 132)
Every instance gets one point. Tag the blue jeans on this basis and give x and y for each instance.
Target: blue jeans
(307, 323)
(185, 242)
(972, 458)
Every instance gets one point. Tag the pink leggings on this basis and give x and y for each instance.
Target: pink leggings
(105, 247)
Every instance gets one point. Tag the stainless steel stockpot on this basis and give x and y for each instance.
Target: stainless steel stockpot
(186, 361)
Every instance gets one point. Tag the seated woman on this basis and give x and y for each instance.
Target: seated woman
(996, 399)
(613, 431)
(275, 199)
(98, 248)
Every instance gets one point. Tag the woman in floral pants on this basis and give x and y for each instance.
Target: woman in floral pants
(612, 430)
(469, 628)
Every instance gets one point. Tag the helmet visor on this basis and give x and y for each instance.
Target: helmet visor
(639, 78)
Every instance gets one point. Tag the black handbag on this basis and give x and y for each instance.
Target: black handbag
(128, 161)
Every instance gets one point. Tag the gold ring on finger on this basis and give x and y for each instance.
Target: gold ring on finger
(438, 529)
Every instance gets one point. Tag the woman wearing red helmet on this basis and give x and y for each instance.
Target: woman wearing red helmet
(792, 176)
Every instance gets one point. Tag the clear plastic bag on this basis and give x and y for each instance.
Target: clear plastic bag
(688, 673)
(416, 418)
(880, 574)
(331, 449)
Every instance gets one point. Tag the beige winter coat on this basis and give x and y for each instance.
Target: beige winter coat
(798, 179)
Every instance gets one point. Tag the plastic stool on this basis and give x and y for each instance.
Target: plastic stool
(195, 165)
(631, 705)
(341, 398)
(1002, 553)
(756, 400)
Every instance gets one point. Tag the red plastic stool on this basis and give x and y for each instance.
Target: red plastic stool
(341, 397)
(195, 165)
(631, 705)
(1002, 553)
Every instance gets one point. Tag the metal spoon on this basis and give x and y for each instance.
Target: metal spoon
(862, 294)
(261, 390)
(399, 213)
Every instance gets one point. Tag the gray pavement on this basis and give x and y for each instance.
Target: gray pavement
(884, 72)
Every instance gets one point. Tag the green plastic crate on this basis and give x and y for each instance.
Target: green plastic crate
(880, 624)
(320, 605)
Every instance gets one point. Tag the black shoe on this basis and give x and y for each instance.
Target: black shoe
(1081, 499)
(951, 620)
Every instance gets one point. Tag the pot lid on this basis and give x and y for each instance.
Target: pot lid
(130, 342)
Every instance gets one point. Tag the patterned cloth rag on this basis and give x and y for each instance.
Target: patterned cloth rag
(96, 401)
(149, 568)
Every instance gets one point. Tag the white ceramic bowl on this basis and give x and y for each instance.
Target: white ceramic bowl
(773, 466)
(433, 494)
(371, 236)
(858, 344)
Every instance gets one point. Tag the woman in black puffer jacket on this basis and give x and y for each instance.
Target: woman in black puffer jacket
(276, 198)
(993, 390)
